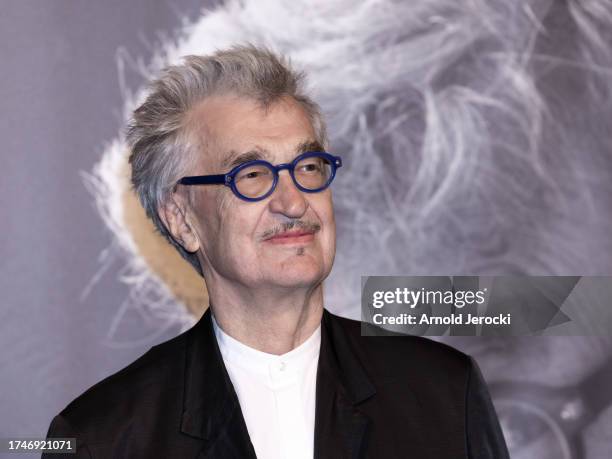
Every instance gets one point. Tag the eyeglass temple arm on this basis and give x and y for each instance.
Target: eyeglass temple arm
(203, 180)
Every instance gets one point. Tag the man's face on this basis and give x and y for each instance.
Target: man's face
(234, 235)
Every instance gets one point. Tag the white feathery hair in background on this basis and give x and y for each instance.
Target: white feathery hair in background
(474, 134)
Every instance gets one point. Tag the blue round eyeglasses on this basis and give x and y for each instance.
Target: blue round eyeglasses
(312, 172)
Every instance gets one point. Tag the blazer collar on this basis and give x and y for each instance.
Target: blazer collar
(211, 410)
(339, 358)
(342, 385)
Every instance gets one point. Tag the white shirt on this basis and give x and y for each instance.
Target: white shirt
(276, 394)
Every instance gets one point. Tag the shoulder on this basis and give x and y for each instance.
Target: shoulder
(151, 382)
(398, 355)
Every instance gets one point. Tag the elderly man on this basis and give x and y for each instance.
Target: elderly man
(229, 160)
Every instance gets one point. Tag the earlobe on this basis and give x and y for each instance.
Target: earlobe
(173, 213)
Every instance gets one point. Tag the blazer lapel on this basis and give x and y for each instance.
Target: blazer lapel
(211, 410)
(342, 384)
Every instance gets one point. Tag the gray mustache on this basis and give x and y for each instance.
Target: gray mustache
(306, 226)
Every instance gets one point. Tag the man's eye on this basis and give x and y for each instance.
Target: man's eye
(253, 175)
(312, 167)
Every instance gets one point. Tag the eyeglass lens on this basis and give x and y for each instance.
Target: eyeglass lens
(311, 173)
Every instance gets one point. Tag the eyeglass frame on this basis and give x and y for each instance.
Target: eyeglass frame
(228, 178)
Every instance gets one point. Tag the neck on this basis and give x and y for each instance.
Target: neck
(273, 320)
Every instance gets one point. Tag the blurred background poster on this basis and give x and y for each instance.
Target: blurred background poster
(476, 142)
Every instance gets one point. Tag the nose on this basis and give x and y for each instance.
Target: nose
(287, 199)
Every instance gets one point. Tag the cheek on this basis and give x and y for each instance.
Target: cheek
(214, 220)
(326, 214)
(224, 201)
(238, 224)
(206, 215)
(327, 218)
(330, 244)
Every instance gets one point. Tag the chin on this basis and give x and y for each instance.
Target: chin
(298, 276)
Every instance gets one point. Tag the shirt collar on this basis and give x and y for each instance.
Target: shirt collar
(294, 362)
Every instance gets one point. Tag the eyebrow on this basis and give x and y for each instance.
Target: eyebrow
(235, 158)
(309, 145)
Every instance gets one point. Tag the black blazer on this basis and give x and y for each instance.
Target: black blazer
(376, 397)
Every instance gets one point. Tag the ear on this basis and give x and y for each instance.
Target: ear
(174, 215)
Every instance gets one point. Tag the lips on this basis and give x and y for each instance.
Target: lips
(292, 237)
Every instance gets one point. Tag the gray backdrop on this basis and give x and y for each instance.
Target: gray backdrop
(62, 102)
